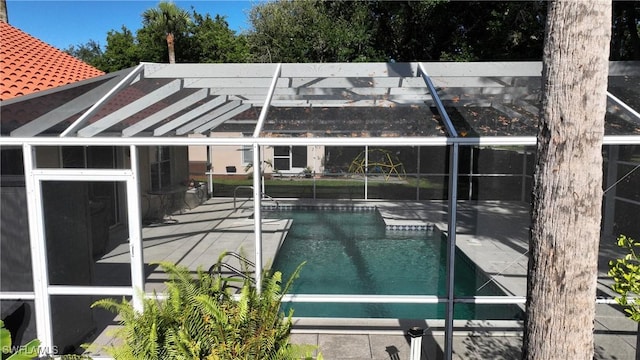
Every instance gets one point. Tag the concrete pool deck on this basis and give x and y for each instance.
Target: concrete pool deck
(493, 235)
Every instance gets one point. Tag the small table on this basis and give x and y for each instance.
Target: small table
(167, 199)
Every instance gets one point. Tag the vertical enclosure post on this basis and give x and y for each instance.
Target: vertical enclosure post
(37, 240)
(257, 214)
(135, 232)
(451, 249)
(416, 334)
(418, 175)
(366, 172)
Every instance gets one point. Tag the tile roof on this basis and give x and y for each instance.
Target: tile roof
(28, 65)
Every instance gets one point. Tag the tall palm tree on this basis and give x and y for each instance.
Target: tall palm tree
(567, 204)
(169, 19)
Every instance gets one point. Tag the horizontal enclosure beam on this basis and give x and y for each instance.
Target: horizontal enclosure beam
(379, 299)
(329, 141)
(91, 290)
(81, 174)
(401, 299)
(414, 299)
(17, 295)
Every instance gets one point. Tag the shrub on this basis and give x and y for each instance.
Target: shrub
(201, 318)
(626, 275)
(26, 352)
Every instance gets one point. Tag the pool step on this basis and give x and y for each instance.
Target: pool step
(396, 218)
(402, 219)
(407, 225)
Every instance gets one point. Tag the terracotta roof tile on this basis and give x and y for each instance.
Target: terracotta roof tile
(29, 65)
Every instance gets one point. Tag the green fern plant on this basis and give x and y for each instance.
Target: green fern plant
(200, 318)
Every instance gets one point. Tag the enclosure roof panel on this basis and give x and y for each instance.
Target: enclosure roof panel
(342, 121)
(365, 100)
(492, 102)
(623, 106)
(491, 105)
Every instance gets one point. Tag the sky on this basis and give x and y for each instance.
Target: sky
(73, 22)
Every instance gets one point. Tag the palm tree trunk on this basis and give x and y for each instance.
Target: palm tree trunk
(172, 52)
(567, 190)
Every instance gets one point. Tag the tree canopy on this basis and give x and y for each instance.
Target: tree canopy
(169, 20)
(312, 31)
(203, 39)
(354, 31)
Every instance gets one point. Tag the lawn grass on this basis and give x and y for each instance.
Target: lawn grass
(334, 188)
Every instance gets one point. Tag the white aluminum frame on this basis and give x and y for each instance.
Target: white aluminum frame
(289, 85)
(42, 289)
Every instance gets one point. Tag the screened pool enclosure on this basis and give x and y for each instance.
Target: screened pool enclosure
(446, 147)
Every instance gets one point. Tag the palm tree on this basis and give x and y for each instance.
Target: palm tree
(567, 206)
(169, 19)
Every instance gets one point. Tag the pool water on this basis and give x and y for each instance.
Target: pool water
(352, 253)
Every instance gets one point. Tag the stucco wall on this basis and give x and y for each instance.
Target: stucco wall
(231, 156)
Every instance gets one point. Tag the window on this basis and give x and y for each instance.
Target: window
(247, 154)
(160, 162)
(281, 158)
(289, 158)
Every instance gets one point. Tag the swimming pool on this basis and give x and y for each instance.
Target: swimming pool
(352, 253)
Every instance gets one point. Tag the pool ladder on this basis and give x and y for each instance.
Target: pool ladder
(231, 273)
(264, 196)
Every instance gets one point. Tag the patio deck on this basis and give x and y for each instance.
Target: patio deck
(491, 234)
(199, 236)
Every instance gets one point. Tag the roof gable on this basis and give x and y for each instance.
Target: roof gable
(28, 65)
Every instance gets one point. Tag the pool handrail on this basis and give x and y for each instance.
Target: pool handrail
(236, 255)
(245, 275)
(217, 269)
(264, 196)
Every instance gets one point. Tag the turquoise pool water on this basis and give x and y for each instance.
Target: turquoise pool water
(352, 253)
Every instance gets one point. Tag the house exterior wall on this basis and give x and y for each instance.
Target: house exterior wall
(231, 156)
(315, 158)
(225, 158)
(197, 162)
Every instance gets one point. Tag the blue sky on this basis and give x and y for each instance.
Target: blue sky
(73, 22)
